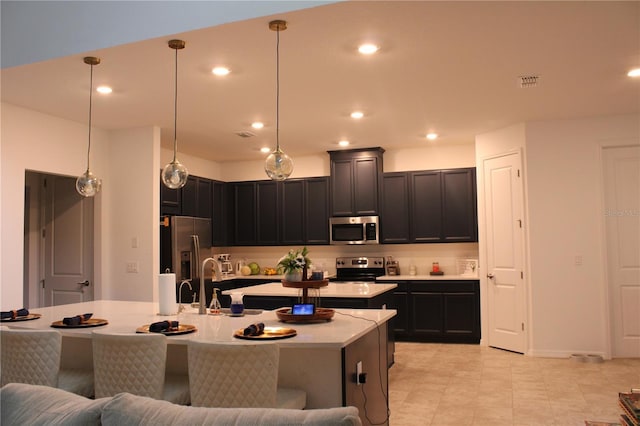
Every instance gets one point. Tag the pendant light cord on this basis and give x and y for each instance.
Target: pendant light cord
(278, 90)
(175, 111)
(90, 103)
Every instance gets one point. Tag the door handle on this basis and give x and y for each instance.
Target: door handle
(85, 283)
(490, 276)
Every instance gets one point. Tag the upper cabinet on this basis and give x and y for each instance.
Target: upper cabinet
(196, 197)
(356, 182)
(430, 206)
(294, 211)
(193, 199)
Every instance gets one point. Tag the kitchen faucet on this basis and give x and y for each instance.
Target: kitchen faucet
(202, 309)
(180, 307)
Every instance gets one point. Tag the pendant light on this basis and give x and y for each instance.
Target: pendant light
(278, 165)
(174, 174)
(87, 184)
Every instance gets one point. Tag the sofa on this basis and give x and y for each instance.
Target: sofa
(25, 404)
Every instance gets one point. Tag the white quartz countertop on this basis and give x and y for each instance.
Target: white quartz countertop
(346, 326)
(425, 277)
(350, 290)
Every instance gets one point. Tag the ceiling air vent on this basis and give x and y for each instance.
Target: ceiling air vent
(526, 81)
(245, 134)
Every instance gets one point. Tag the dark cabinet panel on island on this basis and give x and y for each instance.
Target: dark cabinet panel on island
(437, 311)
(356, 181)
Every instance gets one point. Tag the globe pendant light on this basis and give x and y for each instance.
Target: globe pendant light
(174, 174)
(278, 165)
(87, 184)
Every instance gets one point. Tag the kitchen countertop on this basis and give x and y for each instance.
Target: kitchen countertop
(350, 290)
(425, 277)
(125, 317)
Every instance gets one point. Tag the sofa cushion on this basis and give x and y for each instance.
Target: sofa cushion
(24, 404)
(130, 409)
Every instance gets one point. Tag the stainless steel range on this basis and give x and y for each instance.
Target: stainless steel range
(350, 269)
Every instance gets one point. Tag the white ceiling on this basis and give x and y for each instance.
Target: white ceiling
(448, 67)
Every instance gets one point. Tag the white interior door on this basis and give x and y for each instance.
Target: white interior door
(503, 200)
(622, 217)
(68, 243)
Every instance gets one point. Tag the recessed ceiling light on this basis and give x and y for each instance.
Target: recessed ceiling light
(343, 143)
(105, 90)
(634, 72)
(257, 125)
(265, 150)
(220, 71)
(368, 48)
(432, 136)
(357, 114)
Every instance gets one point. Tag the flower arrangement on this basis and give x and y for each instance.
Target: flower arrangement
(295, 260)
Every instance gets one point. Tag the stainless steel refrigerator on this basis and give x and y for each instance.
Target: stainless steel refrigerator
(184, 243)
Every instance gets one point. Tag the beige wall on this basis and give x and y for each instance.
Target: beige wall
(568, 306)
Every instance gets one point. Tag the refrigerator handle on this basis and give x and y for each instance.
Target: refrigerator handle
(195, 265)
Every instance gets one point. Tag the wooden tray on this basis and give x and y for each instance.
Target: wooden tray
(321, 315)
(270, 333)
(91, 322)
(182, 329)
(22, 318)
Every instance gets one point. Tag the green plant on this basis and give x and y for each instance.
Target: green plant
(295, 260)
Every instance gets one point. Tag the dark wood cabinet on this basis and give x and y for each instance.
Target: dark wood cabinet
(459, 211)
(220, 213)
(438, 311)
(267, 213)
(291, 212)
(400, 303)
(170, 200)
(316, 210)
(356, 182)
(244, 213)
(196, 197)
(394, 214)
(292, 220)
(430, 206)
(426, 206)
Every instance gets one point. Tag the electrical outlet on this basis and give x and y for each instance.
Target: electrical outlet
(359, 372)
(132, 267)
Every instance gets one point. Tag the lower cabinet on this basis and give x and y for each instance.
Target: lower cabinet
(438, 311)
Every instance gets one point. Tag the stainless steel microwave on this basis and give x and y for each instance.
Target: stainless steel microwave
(353, 230)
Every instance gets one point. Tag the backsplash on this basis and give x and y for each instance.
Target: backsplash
(324, 257)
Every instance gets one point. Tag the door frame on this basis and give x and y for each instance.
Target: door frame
(482, 251)
(33, 257)
(606, 285)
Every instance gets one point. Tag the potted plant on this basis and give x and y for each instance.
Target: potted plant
(294, 264)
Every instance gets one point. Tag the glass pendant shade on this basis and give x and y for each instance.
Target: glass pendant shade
(88, 185)
(278, 165)
(174, 175)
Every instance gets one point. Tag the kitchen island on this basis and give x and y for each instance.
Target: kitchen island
(353, 295)
(334, 295)
(321, 358)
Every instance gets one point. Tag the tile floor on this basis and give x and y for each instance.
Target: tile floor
(438, 384)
